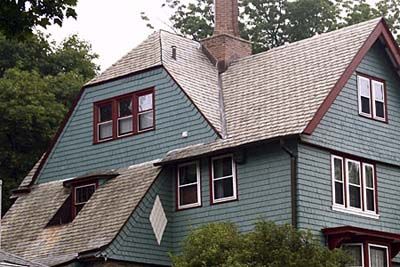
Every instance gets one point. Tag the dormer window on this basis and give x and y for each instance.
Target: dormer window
(371, 97)
(81, 195)
(124, 116)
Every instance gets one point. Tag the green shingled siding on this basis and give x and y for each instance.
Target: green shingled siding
(74, 154)
(264, 192)
(344, 130)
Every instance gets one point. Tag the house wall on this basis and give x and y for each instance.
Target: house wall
(263, 191)
(343, 129)
(175, 113)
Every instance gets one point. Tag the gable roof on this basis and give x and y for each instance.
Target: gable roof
(24, 230)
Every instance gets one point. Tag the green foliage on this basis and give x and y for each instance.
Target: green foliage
(271, 23)
(38, 83)
(268, 245)
(19, 17)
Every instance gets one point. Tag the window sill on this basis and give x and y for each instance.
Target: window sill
(189, 206)
(223, 200)
(370, 117)
(355, 212)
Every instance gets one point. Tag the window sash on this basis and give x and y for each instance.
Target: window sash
(198, 183)
(378, 247)
(79, 187)
(364, 190)
(215, 179)
(98, 130)
(123, 119)
(361, 246)
(381, 85)
(360, 80)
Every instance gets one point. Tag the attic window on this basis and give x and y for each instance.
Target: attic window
(81, 195)
(124, 116)
(371, 97)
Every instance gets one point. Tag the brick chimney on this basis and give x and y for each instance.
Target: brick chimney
(226, 45)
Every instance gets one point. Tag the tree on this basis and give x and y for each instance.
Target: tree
(38, 82)
(269, 245)
(19, 17)
(271, 23)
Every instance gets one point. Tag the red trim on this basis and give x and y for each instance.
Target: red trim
(135, 119)
(380, 30)
(371, 100)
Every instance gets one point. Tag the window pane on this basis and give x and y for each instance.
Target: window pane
(105, 130)
(223, 188)
(82, 194)
(364, 86)
(105, 113)
(188, 195)
(338, 169)
(378, 257)
(355, 196)
(125, 125)
(146, 120)
(125, 107)
(379, 109)
(188, 174)
(369, 176)
(355, 253)
(365, 105)
(339, 198)
(353, 169)
(222, 167)
(370, 200)
(378, 90)
(145, 102)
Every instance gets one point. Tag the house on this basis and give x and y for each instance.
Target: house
(179, 133)
(9, 260)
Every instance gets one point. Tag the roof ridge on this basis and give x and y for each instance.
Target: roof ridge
(314, 37)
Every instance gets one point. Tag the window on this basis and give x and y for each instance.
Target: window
(354, 186)
(124, 116)
(145, 112)
(378, 256)
(188, 182)
(81, 195)
(223, 179)
(371, 97)
(355, 251)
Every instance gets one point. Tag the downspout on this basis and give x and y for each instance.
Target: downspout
(293, 181)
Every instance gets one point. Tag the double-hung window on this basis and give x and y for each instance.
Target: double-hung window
(223, 179)
(124, 116)
(356, 253)
(375, 256)
(371, 97)
(354, 186)
(188, 185)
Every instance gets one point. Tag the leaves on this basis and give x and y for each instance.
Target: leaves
(271, 23)
(268, 245)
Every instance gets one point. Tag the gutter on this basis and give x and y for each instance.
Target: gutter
(293, 181)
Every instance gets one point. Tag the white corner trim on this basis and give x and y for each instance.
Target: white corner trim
(158, 219)
(355, 212)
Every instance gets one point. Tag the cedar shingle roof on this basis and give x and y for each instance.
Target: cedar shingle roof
(7, 259)
(24, 229)
(276, 93)
(192, 70)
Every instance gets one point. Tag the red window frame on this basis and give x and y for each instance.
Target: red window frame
(371, 100)
(115, 115)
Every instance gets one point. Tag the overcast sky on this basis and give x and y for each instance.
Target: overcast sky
(113, 27)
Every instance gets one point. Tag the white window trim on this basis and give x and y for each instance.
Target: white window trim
(369, 115)
(333, 157)
(234, 180)
(82, 186)
(124, 118)
(362, 250)
(348, 209)
(365, 187)
(374, 99)
(98, 131)
(378, 246)
(198, 182)
(355, 185)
